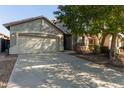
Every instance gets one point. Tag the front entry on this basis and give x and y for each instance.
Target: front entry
(67, 42)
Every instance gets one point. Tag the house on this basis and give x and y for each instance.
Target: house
(92, 40)
(4, 42)
(36, 35)
(119, 43)
(39, 35)
(68, 37)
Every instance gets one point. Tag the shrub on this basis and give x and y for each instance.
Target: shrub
(104, 50)
(91, 47)
(96, 49)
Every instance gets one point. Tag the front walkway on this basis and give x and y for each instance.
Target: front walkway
(62, 70)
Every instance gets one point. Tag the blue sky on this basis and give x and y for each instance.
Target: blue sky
(14, 13)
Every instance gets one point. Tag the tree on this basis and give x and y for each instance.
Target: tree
(68, 15)
(80, 19)
(115, 23)
(83, 20)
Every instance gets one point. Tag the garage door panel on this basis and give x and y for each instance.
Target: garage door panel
(37, 45)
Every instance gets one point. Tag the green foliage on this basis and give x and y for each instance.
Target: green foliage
(80, 19)
(91, 47)
(104, 50)
(92, 19)
(114, 19)
(96, 49)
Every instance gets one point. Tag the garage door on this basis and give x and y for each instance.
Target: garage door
(33, 44)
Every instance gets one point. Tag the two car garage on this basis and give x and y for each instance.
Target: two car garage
(32, 43)
(36, 35)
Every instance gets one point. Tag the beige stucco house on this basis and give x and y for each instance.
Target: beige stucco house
(91, 41)
(35, 35)
(119, 43)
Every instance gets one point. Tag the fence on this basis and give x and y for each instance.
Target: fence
(4, 45)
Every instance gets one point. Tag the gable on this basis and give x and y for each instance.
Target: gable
(30, 26)
(36, 26)
(47, 28)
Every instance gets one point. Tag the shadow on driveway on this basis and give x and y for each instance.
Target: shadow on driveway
(63, 71)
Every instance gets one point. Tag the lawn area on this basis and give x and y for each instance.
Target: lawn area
(6, 65)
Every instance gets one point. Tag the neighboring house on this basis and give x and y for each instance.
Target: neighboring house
(91, 40)
(36, 35)
(4, 42)
(120, 42)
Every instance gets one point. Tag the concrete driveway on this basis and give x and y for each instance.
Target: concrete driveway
(63, 71)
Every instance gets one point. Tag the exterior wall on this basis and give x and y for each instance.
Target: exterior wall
(122, 43)
(36, 26)
(46, 28)
(28, 27)
(31, 26)
(107, 42)
(13, 49)
(79, 39)
(118, 43)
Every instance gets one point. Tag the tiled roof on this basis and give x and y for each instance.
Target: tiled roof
(61, 26)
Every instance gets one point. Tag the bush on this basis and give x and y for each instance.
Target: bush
(104, 50)
(91, 47)
(96, 49)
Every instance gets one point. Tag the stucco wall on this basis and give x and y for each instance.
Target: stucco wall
(107, 42)
(13, 44)
(36, 26)
(47, 28)
(27, 26)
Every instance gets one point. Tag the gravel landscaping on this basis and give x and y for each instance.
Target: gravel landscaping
(6, 65)
(99, 59)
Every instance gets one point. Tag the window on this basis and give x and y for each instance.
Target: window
(91, 41)
(91, 44)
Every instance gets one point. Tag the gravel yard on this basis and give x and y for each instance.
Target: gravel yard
(6, 65)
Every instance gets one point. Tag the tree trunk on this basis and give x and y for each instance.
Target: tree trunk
(113, 47)
(83, 40)
(75, 41)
